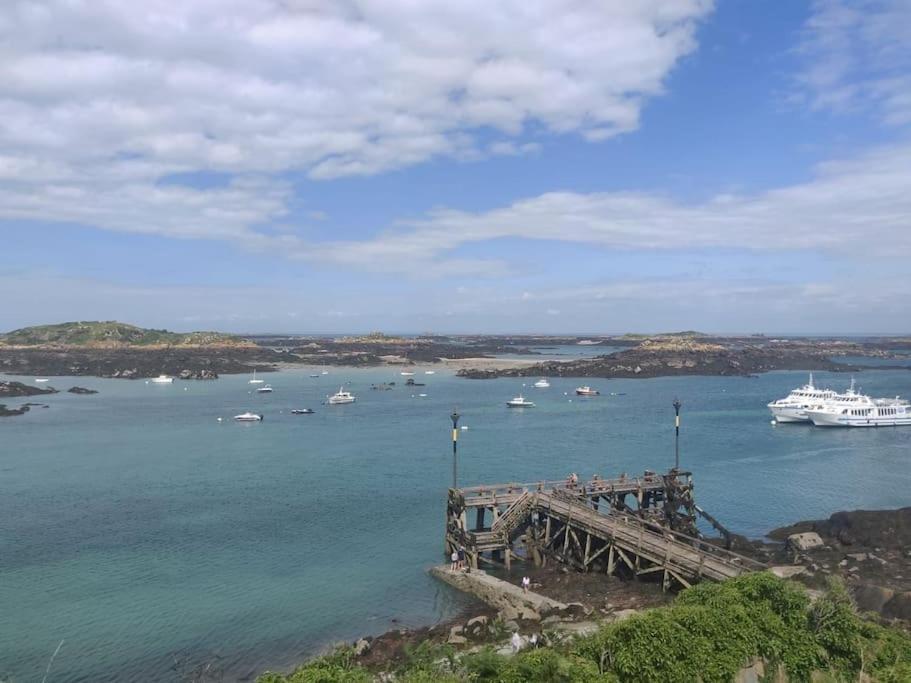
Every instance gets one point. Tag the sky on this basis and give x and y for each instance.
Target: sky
(536, 166)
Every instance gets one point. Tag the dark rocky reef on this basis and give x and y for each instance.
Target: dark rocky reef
(14, 389)
(869, 549)
(667, 360)
(81, 391)
(137, 363)
(10, 412)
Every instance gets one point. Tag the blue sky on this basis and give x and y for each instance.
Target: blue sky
(550, 167)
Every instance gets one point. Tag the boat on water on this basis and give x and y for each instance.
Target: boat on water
(41, 380)
(248, 417)
(430, 372)
(265, 390)
(341, 397)
(162, 379)
(302, 411)
(325, 372)
(587, 391)
(793, 407)
(254, 380)
(317, 375)
(870, 413)
(405, 373)
(542, 383)
(520, 402)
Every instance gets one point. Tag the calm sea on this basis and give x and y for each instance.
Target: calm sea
(150, 537)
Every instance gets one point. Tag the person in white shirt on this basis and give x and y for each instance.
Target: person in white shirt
(454, 559)
(516, 642)
(526, 583)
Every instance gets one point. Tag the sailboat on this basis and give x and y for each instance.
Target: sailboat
(254, 380)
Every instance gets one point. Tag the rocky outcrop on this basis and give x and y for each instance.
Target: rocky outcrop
(661, 360)
(11, 412)
(197, 374)
(14, 389)
(81, 391)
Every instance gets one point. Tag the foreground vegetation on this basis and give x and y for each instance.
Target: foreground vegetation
(708, 634)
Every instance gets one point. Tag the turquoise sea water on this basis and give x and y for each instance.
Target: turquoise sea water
(141, 531)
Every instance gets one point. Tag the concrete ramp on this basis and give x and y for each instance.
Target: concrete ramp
(502, 595)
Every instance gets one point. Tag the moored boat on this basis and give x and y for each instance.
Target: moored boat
(248, 417)
(542, 383)
(876, 413)
(265, 390)
(162, 379)
(41, 380)
(793, 407)
(587, 391)
(254, 380)
(520, 402)
(301, 411)
(341, 397)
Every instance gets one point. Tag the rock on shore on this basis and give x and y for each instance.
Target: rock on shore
(81, 390)
(14, 389)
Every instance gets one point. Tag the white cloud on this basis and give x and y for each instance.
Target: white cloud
(858, 56)
(101, 100)
(859, 207)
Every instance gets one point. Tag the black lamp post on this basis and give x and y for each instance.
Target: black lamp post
(455, 442)
(677, 405)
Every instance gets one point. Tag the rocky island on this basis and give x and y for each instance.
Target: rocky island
(668, 355)
(119, 350)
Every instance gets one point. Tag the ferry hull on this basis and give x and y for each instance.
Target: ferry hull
(782, 414)
(821, 419)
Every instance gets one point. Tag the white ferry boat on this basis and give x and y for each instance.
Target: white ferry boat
(162, 379)
(542, 383)
(872, 413)
(341, 397)
(248, 417)
(793, 408)
(587, 391)
(520, 402)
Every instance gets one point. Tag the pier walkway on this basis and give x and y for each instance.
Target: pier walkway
(623, 525)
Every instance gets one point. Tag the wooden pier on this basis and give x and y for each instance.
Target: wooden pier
(637, 526)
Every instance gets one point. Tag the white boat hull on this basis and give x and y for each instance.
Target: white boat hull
(789, 413)
(829, 419)
(341, 401)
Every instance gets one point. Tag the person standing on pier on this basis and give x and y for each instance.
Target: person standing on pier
(454, 561)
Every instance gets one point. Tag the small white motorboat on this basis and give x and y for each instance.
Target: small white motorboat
(342, 397)
(405, 373)
(430, 372)
(254, 380)
(542, 383)
(587, 391)
(162, 379)
(520, 402)
(41, 379)
(265, 390)
(248, 417)
(325, 372)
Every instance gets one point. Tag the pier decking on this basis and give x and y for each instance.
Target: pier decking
(638, 526)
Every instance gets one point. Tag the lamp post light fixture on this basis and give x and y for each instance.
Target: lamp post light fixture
(677, 405)
(455, 443)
